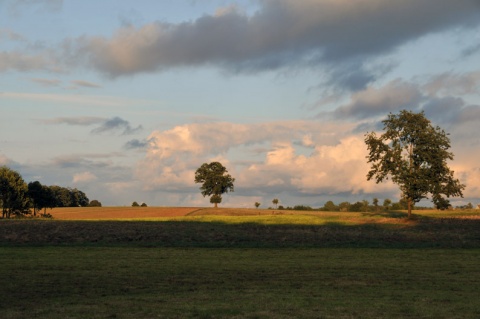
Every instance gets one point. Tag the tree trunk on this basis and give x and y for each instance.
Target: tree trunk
(215, 205)
(409, 208)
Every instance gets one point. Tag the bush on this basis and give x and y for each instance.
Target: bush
(95, 203)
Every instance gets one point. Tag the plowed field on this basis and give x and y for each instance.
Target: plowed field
(108, 213)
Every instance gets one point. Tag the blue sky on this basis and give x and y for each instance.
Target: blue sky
(125, 99)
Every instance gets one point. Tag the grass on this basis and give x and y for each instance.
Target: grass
(122, 282)
(248, 264)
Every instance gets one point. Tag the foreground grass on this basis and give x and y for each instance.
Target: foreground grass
(125, 282)
(244, 265)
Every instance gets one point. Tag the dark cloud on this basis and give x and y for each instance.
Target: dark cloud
(116, 124)
(371, 102)
(136, 144)
(281, 33)
(444, 110)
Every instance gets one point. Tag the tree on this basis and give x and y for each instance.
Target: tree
(13, 193)
(275, 202)
(414, 155)
(330, 206)
(215, 181)
(35, 192)
(143, 205)
(135, 204)
(257, 204)
(387, 204)
(375, 204)
(95, 203)
(344, 206)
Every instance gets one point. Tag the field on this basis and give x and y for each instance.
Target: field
(240, 263)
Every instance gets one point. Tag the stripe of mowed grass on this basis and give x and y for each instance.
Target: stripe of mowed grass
(126, 282)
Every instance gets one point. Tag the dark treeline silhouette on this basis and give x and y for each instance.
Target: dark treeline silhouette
(19, 199)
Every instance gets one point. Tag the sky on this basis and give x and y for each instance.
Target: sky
(125, 99)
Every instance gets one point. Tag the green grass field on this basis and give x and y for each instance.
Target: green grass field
(267, 266)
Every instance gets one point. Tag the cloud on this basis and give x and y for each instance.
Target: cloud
(458, 84)
(373, 101)
(10, 35)
(86, 84)
(46, 82)
(18, 61)
(79, 120)
(115, 124)
(84, 177)
(303, 157)
(281, 33)
(136, 144)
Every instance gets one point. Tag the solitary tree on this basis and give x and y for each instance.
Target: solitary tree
(414, 155)
(215, 181)
(257, 204)
(275, 202)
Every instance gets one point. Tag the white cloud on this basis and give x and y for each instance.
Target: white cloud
(332, 166)
(84, 177)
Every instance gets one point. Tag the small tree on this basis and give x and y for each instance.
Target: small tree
(143, 205)
(215, 181)
(257, 204)
(135, 204)
(387, 203)
(95, 203)
(414, 155)
(375, 204)
(275, 202)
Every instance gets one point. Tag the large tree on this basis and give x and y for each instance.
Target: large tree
(215, 181)
(13, 193)
(414, 154)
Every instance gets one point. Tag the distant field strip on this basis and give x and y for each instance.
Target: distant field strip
(109, 213)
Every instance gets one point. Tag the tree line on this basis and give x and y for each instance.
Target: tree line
(17, 198)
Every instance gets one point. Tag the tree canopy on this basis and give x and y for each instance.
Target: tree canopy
(215, 181)
(13, 193)
(414, 154)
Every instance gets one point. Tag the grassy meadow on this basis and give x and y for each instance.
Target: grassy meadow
(240, 263)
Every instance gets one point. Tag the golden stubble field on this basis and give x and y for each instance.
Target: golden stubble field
(114, 213)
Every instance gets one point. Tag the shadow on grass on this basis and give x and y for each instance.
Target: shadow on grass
(423, 232)
(388, 214)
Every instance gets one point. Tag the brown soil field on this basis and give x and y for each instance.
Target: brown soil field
(109, 213)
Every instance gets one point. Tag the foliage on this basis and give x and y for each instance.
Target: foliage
(330, 207)
(135, 204)
(257, 204)
(68, 197)
(344, 206)
(13, 193)
(302, 207)
(143, 205)
(275, 202)
(95, 203)
(42, 197)
(414, 155)
(215, 181)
